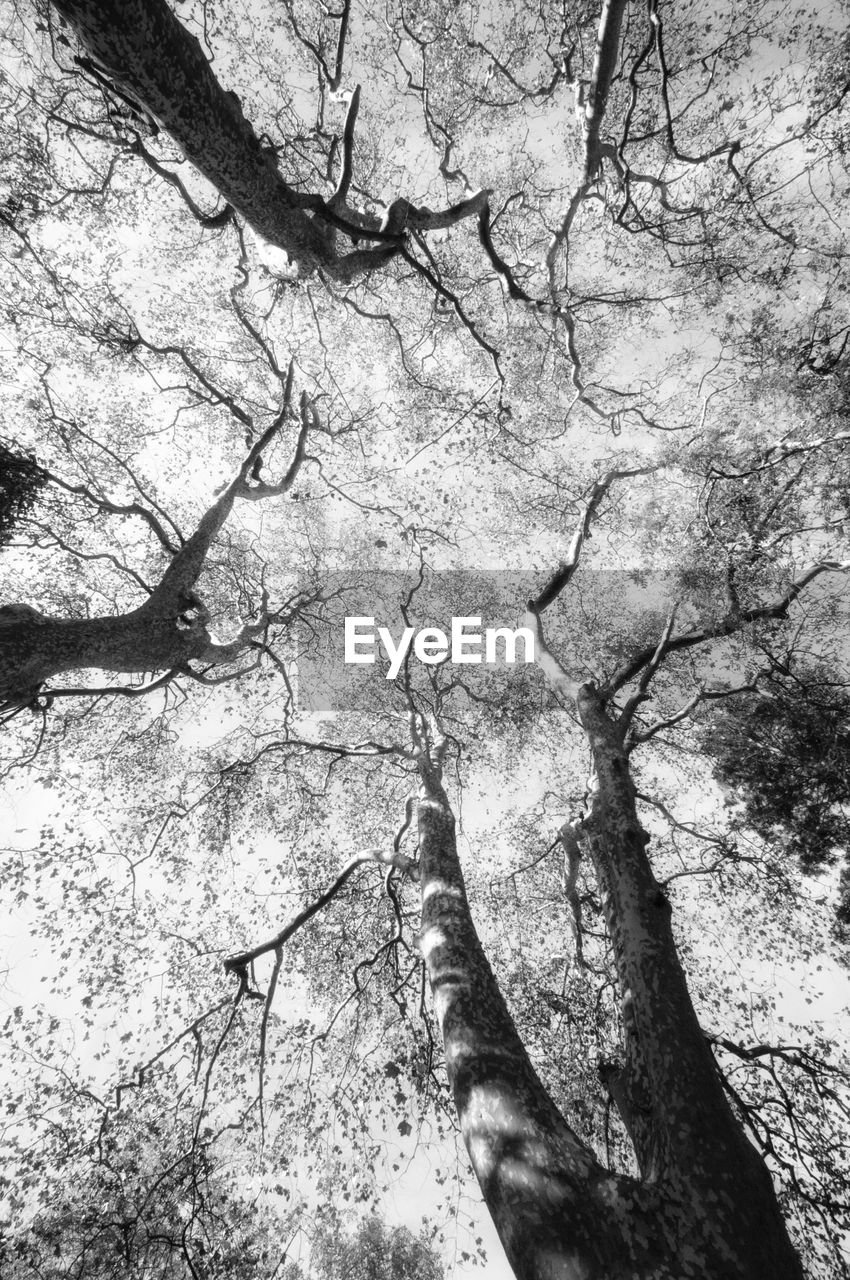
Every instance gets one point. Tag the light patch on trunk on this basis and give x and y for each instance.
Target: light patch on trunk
(432, 938)
(480, 1149)
(440, 886)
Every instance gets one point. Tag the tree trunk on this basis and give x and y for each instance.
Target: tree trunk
(169, 629)
(704, 1208)
(559, 1214)
(604, 66)
(35, 648)
(143, 48)
(687, 1140)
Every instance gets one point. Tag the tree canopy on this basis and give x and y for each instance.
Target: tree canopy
(786, 755)
(531, 317)
(21, 479)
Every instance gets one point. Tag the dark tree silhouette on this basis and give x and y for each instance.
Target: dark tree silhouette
(21, 479)
(785, 755)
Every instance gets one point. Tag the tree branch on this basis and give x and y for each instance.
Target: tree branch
(727, 625)
(564, 573)
(238, 964)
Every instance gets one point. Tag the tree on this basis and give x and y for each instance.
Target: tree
(21, 480)
(155, 60)
(546, 1191)
(784, 754)
(169, 630)
(553, 380)
(372, 1252)
(653, 172)
(701, 1180)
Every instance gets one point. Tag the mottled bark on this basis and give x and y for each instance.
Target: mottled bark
(704, 1208)
(559, 1214)
(604, 66)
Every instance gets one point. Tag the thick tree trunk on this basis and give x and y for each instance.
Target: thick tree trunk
(143, 48)
(35, 648)
(705, 1207)
(559, 1214)
(604, 66)
(687, 1140)
(169, 629)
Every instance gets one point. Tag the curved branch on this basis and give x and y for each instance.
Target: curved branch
(564, 573)
(238, 964)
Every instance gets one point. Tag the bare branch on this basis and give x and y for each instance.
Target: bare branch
(651, 668)
(727, 625)
(238, 964)
(564, 573)
(211, 221)
(117, 509)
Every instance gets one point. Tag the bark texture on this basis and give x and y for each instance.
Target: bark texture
(559, 1214)
(604, 66)
(687, 1140)
(142, 47)
(35, 648)
(704, 1207)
